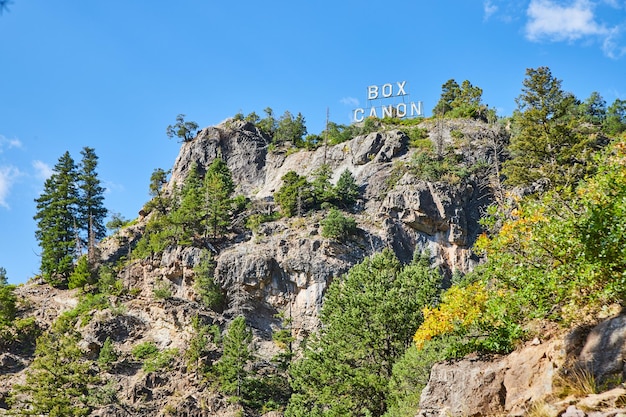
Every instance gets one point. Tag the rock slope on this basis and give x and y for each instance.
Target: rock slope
(281, 269)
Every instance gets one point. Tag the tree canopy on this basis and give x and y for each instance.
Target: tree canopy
(368, 318)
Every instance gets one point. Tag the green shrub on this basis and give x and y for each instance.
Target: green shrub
(161, 361)
(337, 226)
(162, 290)
(144, 350)
(107, 354)
(210, 292)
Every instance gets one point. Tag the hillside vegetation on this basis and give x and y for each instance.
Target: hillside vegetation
(187, 310)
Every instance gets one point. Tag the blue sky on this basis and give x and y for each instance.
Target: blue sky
(113, 74)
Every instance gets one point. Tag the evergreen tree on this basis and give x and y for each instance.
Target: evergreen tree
(218, 188)
(57, 382)
(92, 212)
(322, 188)
(231, 367)
(158, 179)
(548, 142)
(461, 101)
(7, 300)
(615, 121)
(290, 129)
(183, 130)
(295, 196)
(268, 124)
(188, 214)
(58, 222)
(346, 190)
(368, 318)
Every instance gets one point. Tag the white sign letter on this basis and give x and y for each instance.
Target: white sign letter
(372, 92)
(387, 90)
(401, 91)
(401, 109)
(358, 118)
(388, 111)
(373, 112)
(416, 109)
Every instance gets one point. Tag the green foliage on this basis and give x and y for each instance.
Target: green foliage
(8, 300)
(87, 304)
(218, 188)
(162, 289)
(199, 210)
(108, 284)
(57, 211)
(183, 130)
(231, 368)
(337, 226)
(158, 179)
(367, 321)
(290, 129)
(296, 195)
(255, 220)
(57, 382)
(268, 124)
(82, 274)
(117, 222)
(144, 350)
(615, 120)
(410, 375)
(346, 192)
(107, 354)
(550, 143)
(322, 188)
(70, 213)
(91, 210)
(464, 101)
(196, 353)
(162, 361)
(210, 292)
(558, 257)
(448, 168)
(154, 359)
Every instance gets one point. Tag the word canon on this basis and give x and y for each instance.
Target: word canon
(388, 92)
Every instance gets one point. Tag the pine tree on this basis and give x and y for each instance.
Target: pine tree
(218, 187)
(8, 299)
(368, 318)
(231, 367)
(57, 382)
(188, 214)
(346, 190)
(92, 212)
(548, 143)
(57, 222)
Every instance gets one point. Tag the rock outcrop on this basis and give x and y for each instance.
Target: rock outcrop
(551, 375)
(281, 268)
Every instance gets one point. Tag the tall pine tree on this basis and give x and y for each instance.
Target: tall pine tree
(549, 142)
(91, 205)
(57, 222)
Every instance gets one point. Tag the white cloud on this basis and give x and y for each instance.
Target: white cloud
(8, 176)
(489, 8)
(9, 143)
(554, 22)
(349, 101)
(42, 170)
(613, 44)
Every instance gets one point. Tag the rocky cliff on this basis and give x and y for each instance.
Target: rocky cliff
(280, 269)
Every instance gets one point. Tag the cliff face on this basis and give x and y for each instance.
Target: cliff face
(557, 377)
(281, 269)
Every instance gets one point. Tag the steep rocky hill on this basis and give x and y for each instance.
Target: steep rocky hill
(279, 270)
